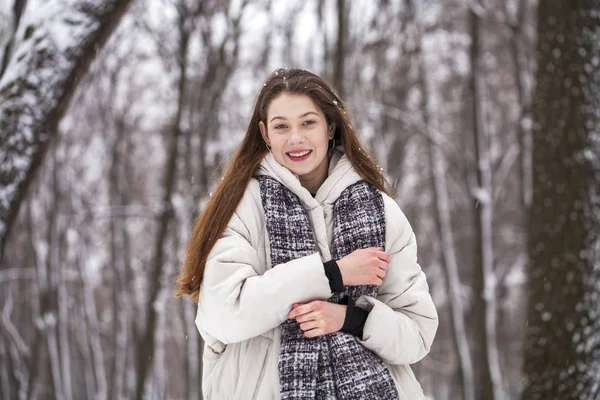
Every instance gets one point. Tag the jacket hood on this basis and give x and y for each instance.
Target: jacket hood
(340, 176)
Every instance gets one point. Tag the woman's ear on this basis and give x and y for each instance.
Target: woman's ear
(263, 132)
(331, 130)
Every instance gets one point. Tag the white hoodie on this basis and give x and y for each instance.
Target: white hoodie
(243, 300)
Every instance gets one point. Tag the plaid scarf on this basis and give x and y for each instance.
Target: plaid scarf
(334, 366)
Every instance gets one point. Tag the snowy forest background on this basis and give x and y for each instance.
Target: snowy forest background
(117, 118)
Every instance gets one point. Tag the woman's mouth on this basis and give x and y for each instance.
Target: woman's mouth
(299, 155)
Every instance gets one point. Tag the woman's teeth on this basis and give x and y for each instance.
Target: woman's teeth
(300, 154)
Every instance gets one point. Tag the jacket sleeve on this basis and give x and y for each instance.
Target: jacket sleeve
(236, 302)
(403, 320)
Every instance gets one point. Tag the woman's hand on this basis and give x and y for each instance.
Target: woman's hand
(364, 267)
(319, 318)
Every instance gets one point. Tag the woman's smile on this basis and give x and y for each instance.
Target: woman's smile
(298, 156)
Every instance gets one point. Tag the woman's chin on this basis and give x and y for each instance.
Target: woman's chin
(300, 168)
(301, 171)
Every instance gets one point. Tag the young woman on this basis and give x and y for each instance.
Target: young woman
(304, 268)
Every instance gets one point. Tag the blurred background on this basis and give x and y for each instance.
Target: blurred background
(441, 92)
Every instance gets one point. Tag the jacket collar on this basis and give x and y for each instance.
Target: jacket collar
(340, 176)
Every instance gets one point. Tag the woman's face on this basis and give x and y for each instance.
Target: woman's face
(298, 134)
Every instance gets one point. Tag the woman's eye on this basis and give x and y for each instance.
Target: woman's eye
(279, 126)
(309, 122)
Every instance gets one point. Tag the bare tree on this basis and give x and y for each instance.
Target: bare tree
(37, 86)
(4, 380)
(487, 365)
(562, 353)
(34, 365)
(98, 386)
(14, 351)
(445, 231)
(518, 50)
(146, 347)
(8, 31)
(51, 282)
(340, 48)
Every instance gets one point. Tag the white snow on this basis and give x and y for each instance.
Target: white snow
(546, 316)
(6, 23)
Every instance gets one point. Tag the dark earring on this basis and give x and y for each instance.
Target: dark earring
(268, 147)
(332, 141)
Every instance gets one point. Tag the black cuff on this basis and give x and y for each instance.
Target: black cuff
(332, 271)
(355, 320)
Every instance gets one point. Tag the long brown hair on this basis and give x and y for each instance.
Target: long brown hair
(211, 223)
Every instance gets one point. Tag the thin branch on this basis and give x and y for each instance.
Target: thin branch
(12, 330)
(508, 161)
(409, 119)
(427, 131)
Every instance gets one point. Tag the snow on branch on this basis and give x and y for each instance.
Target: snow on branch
(54, 45)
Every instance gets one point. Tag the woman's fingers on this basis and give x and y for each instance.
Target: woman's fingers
(307, 317)
(314, 333)
(307, 326)
(311, 324)
(303, 309)
(325, 318)
(383, 256)
(383, 265)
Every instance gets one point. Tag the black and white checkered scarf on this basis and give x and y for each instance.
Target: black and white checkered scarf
(334, 366)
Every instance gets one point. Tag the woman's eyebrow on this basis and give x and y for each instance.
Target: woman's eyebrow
(300, 116)
(307, 113)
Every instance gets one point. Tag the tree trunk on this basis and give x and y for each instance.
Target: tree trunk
(119, 253)
(61, 288)
(192, 352)
(49, 287)
(523, 99)
(36, 357)
(487, 365)
(146, 348)
(18, 7)
(4, 380)
(444, 227)
(31, 106)
(93, 328)
(340, 54)
(562, 352)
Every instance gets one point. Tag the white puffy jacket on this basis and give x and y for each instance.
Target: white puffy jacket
(243, 300)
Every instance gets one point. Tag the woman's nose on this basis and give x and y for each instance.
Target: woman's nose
(296, 137)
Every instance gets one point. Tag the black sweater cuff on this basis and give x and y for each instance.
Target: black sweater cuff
(332, 271)
(355, 320)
